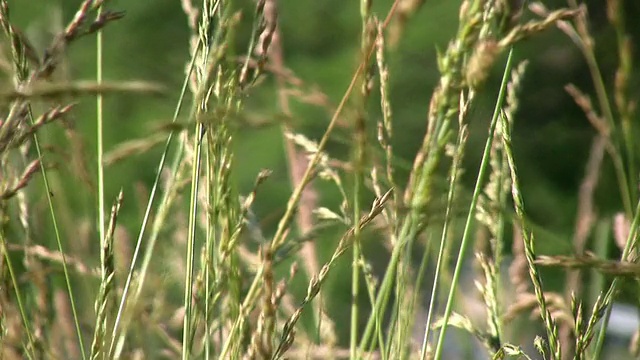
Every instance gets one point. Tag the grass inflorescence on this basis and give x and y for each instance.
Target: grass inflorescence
(199, 273)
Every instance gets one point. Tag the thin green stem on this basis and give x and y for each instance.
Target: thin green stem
(100, 156)
(65, 270)
(14, 282)
(409, 230)
(624, 70)
(464, 245)
(632, 241)
(584, 42)
(393, 328)
(419, 280)
(99, 135)
(623, 104)
(147, 215)
(355, 285)
(283, 225)
(20, 64)
(602, 332)
(378, 323)
(605, 106)
(191, 240)
(443, 238)
(207, 266)
(358, 162)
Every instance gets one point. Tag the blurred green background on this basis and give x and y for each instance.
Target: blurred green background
(321, 41)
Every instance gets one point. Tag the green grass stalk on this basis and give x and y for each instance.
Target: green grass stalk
(358, 178)
(630, 245)
(22, 71)
(455, 171)
(527, 236)
(104, 298)
(191, 242)
(147, 214)
(284, 222)
(99, 134)
(30, 351)
(484, 164)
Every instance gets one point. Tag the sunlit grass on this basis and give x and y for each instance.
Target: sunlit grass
(201, 276)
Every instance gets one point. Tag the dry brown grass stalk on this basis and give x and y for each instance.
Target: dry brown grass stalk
(528, 29)
(288, 331)
(527, 303)
(45, 254)
(590, 261)
(21, 181)
(78, 88)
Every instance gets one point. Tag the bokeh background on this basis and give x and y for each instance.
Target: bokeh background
(552, 137)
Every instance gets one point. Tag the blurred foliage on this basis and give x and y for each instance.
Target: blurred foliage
(321, 41)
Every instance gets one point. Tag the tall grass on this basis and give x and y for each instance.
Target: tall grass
(238, 299)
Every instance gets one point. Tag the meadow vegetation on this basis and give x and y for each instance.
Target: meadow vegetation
(270, 211)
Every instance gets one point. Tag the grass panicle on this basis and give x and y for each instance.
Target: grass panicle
(104, 300)
(529, 245)
(201, 263)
